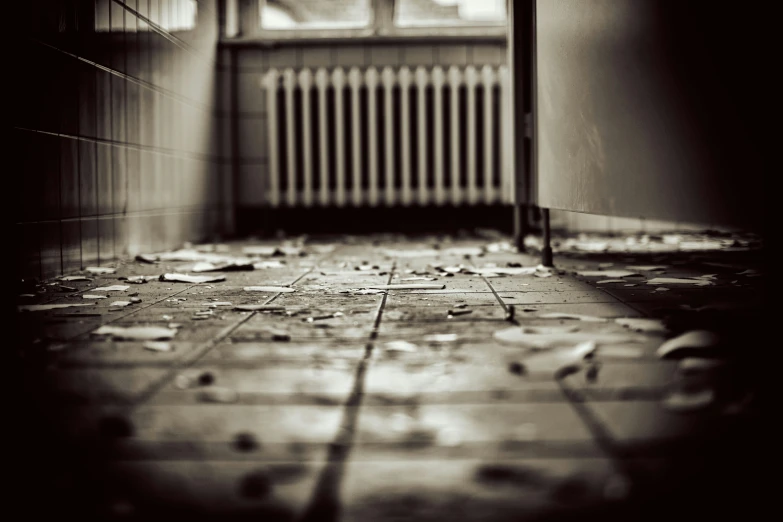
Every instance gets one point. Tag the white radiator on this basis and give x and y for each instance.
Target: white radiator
(391, 137)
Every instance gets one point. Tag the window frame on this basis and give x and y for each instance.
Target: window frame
(382, 29)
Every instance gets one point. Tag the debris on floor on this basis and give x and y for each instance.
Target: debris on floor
(222, 267)
(141, 279)
(519, 336)
(270, 289)
(258, 308)
(421, 286)
(679, 281)
(578, 317)
(100, 270)
(700, 340)
(281, 376)
(157, 346)
(400, 346)
(640, 324)
(45, 307)
(136, 333)
(75, 278)
(112, 288)
(185, 278)
(680, 401)
(612, 274)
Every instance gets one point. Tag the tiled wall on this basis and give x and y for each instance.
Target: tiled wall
(252, 63)
(114, 134)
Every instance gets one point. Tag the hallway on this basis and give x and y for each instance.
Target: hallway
(333, 400)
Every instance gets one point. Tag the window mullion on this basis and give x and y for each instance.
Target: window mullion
(383, 16)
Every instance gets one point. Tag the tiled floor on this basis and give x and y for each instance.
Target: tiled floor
(334, 424)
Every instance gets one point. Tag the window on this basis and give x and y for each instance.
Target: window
(315, 14)
(427, 13)
(321, 20)
(130, 16)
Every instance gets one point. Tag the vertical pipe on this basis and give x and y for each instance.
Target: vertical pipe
(405, 134)
(321, 81)
(470, 81)
(305, 82)
(338, 80)
(289, 79)
(388, 84)
(421, 88)
(269, 82)
(437, 87)
(354, 81)
(454, 82)
(488, 77)
(372, 122)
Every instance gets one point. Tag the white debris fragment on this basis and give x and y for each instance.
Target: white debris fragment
(120, 304)
(546, 330)
(422, 286)
(448, 437)
(700, 245)
(611, 281)
(185, 278)
(75, 278)
(400, 346)
(642, 324)
(235, 265)
(112, 288)
(612, 274)
(698, 339)
(263, 265)
(418, 279)
(647, 268)
(685, 402)
(270, 289)
(621, 352)
(699, 364)
(258, 308)
(519, 337)
(138, 333)
(678, 281)
(580, 317)
(157, 346)
(44, 307)
(441, 338)
(140, 279)
(559, 358)
(93, 296)
(99, 270)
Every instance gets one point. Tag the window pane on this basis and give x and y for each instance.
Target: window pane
(315, 14)
(170, 15)
(449, 12)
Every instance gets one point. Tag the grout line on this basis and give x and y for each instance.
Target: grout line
(324, 504)
(196, 354)
(505, 307)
